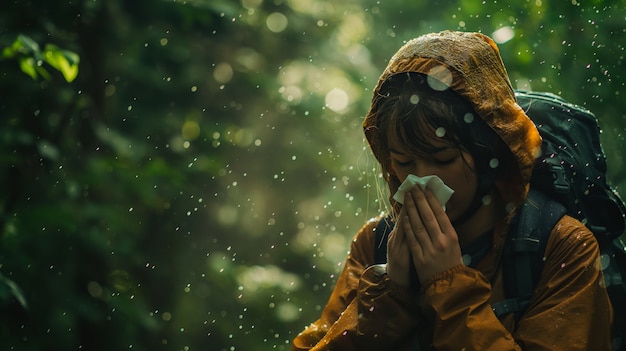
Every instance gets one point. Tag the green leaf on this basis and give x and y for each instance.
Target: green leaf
(64, 61)
(26, 43)
(42, 72)
(28, 66)
(9, 288)
(8, 52)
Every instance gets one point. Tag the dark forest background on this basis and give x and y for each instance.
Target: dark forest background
(187, 175)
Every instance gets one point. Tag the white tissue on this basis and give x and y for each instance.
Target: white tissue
(433, 183)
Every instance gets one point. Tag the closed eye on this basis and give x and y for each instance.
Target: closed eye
(445, 161)
(403, 164)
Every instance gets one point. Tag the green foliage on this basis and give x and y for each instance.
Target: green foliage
(197, 183)
(9, 290)
(31, 57)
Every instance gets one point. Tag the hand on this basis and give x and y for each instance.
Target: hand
(431, 239)
(398, 255)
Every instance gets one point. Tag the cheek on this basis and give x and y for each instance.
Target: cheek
(398, 173)
(464, 182)
(464, 189)
(401, 175)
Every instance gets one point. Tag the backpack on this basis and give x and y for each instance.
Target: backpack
(569, 178)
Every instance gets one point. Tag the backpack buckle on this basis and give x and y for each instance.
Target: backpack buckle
(560, 183)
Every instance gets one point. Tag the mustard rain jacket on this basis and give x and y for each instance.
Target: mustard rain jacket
(570, 309)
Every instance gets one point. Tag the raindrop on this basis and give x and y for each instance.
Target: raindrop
(510, 207)
(494, 163)
(337, 99)
(467, 259)
(95, 289)
(223, 72)
(190, 130)
(486, 200)
(605, 260)
(414, 99)
(440, 132)
(503, 35)
(468, 118)
(439, 78)
(276, 22)
(251, 4)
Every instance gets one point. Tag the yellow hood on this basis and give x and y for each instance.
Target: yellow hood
(470, 64)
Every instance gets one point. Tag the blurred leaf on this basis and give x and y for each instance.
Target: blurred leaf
(23, 45)
(28, 66)
(64, 61)
(9, 289)
(30, 57)
(27, 45)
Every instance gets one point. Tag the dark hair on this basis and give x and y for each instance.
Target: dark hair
(419, 113)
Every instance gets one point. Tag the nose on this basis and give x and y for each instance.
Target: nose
(421, 169)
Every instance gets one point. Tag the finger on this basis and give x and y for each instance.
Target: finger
(425, 207)
(398, 254)
(416, 235)
(440, 215)
(397, 238)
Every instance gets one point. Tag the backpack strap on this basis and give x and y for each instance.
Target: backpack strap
(614, 274)
(383, 228)
(523, 257)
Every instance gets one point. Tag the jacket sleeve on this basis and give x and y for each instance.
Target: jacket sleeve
(569, 310)
(366, 311)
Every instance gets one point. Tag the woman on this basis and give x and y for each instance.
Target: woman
(444, 106)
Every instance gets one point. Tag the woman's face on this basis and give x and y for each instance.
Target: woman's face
(453, 166)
